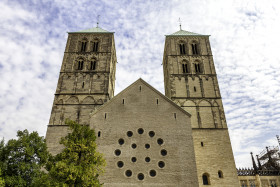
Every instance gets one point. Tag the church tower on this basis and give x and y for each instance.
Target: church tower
(191, 82)
(86, 80)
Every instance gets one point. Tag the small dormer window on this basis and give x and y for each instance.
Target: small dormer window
(194, 49)
(95, 46)
(182, 49)
(80, 64)
(83, 46)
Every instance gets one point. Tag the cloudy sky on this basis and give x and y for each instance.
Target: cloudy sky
(244, 39)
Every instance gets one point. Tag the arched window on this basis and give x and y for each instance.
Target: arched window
(195, 48)
(220, 174)
(198, 67)
(182, 47)
(95, 45)
(185, 67)
(83, 45)
(80, 64)
(92, 65)
(205, 179)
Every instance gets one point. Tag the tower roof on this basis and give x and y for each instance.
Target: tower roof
(185, 33)
(93, 30)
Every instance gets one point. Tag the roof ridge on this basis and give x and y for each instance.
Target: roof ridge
(92, 30)
(185, 33)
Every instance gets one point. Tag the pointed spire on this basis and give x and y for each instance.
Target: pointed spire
(254, 163)
(97, 21)
(180, 24)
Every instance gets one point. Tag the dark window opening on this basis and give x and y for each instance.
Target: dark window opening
(201, 144)
(160, 141)
(121, 141)
(194, 89)
(140, 131)
(147, 159)
(99, 134)
(151, 134)
(129, 133)
(128, 173)
(161, 164)
(133, 159)
(83, 85)
(194, 49)
(92, 65)
(120, 164)
(141, 176)
(163, 152)
(185, 68)
(153, 173)
(83, 46)
(95, 47)
(118, 152)
(105, 115)
(220, 174)
(157, 101)
(80, 64)
(140, 88)
(182, 49)
(205, 179)
(123, 101)
(175, 115)
(197, 68)
(133, 146)
(147, 146)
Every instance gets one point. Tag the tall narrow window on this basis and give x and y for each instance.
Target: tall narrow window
(83, 46)
(194, 49)
(185, 68)
(205, 179)
(92, 65)
(197, 68)
(95, 47)
(182, 49)
(80, 64)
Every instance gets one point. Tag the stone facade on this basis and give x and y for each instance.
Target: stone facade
(180, 139)
(191, 82)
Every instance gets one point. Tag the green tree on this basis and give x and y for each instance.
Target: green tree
(79, 164)
(21, 160)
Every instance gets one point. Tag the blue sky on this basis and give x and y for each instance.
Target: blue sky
(244, 40)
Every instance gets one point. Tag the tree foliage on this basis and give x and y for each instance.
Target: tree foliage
(21, 160)
(79, 164)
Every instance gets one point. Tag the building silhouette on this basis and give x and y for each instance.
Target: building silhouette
(147, 138)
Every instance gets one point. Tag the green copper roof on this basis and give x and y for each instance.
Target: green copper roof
(92, 30)
(185, 33)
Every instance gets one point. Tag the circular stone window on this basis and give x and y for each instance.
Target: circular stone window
(151, 134)
(117, 152)
(140, 131)
(128, 173)
(133, 159)
(134, 146)
(153, 173)
(140, 176)
(129, 133)
(121, 141)
(120, 164)
(161, 164)
(163, 152)
(160, 141)
(147, 159)
(147, 146)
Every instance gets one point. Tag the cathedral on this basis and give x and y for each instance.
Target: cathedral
(147, 138)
